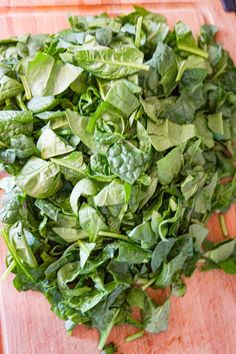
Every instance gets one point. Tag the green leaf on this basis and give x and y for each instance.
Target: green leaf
(121, 97)
(12, 202)
(132, 254)
(41, 104)
(199, 232)
(69, 234)
(9, 88)
(164, 61)
(20, 239)
(72, 166)
(157, 317)
(84, 252)
(216, 125)
(51, 145)
(160, 253)
(23, 146)
(208, 33)
(110, 63)
(192, 184)
(84, 187)
(112, 194)
(222, 252)
(165, 134)
(169, 166)
(204, 196)
(173, 266)
(202, 131)
(48, 77)
(127, 161)
(14, 123)
(78, 125)
(194, 64)
(143, 234)
(33, 173)
(186, 42)
(91, 221)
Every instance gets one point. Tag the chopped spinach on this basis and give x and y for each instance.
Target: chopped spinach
(117, 133)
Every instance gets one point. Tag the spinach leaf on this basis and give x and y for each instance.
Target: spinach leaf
(83, 187)
(50, 145)
(121, 97)
(48, 77)
(169, 166)
(14, 123)
(117, 133)
(39, 179)
(9, 88)
(222, 252)
(109, 63)
(112, 194)
(156, 318)
(164, 61)
(91, 221)
(127, 161)
(186, 42)
(166, 134)
(160, 252)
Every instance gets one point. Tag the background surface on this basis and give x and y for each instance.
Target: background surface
(204, 320)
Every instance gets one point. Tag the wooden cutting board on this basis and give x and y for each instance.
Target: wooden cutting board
(204, 320)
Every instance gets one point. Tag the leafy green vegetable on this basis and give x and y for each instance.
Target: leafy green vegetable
(108, 63)
(186, 42)
(169, 166)
(50, 145)
(117, 133)
(48, 77)
(121, 97)
(85, 187)
(39, 179)
(165, 134)
(164, 61)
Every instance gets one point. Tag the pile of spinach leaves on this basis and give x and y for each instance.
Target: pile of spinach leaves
(117, 133)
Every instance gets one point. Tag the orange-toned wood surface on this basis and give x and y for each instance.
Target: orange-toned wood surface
(204, 320)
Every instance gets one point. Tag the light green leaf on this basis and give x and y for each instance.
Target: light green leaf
(84, 187)
(169, 166)
(165, 134)
(50, 144)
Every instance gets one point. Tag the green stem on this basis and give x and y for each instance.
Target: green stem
(180, 71)
(104, 336)
(223, 225)
(21, 103)
(138, 31)
(221, 71)
(14, 255)
(134, 336)
(191, 50)
(26, 87)
(114, 235)
(7, 271)
(150, 282)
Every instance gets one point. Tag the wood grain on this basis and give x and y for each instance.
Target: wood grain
(204, 320)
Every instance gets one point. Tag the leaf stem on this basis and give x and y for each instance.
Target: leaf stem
(223, 225)
(150, 282)
(113, 235)
(138, 31)
(192, 50)
(7, 271)
(104, 336)
(14, 255)
(26, 87)
(134, 336)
